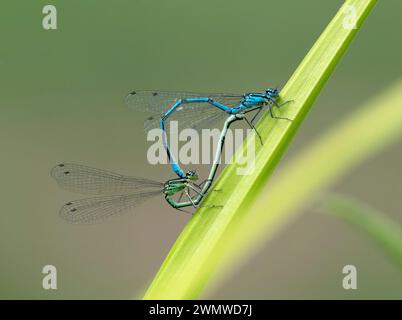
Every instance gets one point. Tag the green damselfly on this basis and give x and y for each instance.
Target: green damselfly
(116, 193)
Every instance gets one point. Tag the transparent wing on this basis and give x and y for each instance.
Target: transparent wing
(87, 180)
(91, 210)
(206, 117)
(160, 101)
(195, 116)
(190, 115)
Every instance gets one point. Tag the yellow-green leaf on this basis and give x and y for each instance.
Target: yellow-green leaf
(205, 246)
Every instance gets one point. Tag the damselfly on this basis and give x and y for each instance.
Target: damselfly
(199, 110)
(116, 193)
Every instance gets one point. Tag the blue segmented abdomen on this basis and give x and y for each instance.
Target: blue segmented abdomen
(176, 168)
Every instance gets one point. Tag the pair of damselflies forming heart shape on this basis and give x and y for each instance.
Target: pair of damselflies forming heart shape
(115, 193)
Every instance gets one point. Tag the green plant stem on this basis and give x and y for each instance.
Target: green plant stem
(384, 232)
(205, 243)
(365, 132)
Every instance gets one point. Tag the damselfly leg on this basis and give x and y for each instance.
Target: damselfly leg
(254, 128)
(278, 106)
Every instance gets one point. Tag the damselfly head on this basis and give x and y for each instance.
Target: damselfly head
(272, 93)
(192, 175)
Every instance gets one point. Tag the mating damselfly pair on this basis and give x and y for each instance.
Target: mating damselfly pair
(116, 193)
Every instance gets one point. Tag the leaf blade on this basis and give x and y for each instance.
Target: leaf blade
(200, 249)
(380, 229)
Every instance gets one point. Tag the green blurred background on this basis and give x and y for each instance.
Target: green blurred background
(61, 100)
